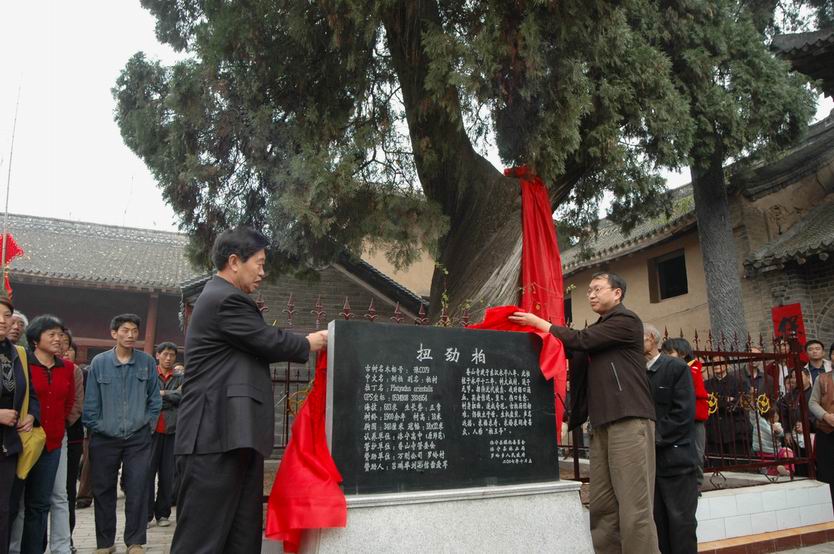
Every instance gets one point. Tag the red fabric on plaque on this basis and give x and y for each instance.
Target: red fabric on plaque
(306, 492)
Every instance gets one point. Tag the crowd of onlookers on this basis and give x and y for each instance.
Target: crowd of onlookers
(115, 417)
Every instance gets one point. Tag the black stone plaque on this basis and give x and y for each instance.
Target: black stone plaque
(413, 408)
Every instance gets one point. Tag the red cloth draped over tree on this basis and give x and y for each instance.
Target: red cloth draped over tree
(12, 252)
(541, 282)
(306, 492)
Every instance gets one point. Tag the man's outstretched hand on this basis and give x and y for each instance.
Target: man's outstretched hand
(530, 320)
(317, 340)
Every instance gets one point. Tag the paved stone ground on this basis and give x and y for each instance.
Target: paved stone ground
(159, 538)
(84, 536)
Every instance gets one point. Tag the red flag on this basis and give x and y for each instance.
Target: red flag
(12, 249)
(12, 252)
(306, 492)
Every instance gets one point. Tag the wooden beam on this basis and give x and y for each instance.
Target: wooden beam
(150, 322)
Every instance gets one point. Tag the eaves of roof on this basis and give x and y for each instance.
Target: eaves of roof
(793, 44)
(360, 269)
(102, 256)
(632, 244)
(85, 282)
(812, 236)
(814, 152)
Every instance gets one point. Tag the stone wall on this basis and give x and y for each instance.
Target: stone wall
(810, 284)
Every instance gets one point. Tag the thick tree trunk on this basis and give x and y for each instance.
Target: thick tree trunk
(480, 257)
(718, 248)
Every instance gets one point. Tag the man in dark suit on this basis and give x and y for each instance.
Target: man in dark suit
(225, 424)
(676, 480)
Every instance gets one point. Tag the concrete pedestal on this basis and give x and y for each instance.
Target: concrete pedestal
(541, 517)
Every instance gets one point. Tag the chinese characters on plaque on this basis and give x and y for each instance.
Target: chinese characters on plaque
(413, 408)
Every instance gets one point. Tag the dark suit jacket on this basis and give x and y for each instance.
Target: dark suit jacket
(674, 399)
(227, 391)
(617, 386)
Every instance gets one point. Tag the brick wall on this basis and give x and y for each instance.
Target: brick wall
(811, 285)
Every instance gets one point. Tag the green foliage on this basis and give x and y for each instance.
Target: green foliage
(741, 97)
(295, 117)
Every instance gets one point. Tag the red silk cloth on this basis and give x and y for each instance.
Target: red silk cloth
(551, 358)
(306, 492)
(541, 264)
(541, 281)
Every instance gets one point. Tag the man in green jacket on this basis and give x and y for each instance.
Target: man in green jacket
(621, 410)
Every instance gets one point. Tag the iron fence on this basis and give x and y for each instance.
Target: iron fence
(758, 421)
(758, 411)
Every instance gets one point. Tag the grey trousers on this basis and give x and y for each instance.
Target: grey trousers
(622, 487)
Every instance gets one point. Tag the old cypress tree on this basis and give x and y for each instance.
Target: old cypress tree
(335, 123)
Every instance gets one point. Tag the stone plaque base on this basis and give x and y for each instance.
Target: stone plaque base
(539, 517)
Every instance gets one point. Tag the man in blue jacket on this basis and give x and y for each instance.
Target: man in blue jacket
(121, 405)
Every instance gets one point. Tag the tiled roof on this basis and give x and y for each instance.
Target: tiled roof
(99, 254)
(811, 54)
(611, 242)
(806, 158)
(813, 235)
(813, 152)
(796, 43)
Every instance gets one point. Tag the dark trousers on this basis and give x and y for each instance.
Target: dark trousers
(235, 480)
(8, 467)
(107, 454)
(675, 503)
(824, 450)
(37, 496)
(162, 464)
(74, 451)
(85, 490)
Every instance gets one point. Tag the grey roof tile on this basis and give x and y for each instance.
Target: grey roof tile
(106, 254)
(611, 242)
(810, 236)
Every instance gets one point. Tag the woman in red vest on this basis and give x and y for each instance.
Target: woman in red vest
(53, 380)
(680, 348)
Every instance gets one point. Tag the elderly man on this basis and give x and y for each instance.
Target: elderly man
(17, 329)
(619, 403)
(225, 420)
(676, 480)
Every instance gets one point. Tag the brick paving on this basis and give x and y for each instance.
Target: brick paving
(84, 536)
(159, 538)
